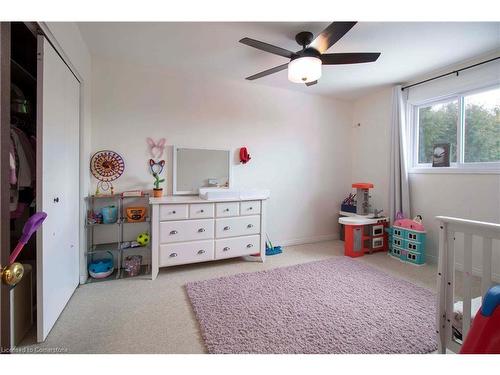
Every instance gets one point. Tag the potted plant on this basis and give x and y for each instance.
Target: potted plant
(157, 191)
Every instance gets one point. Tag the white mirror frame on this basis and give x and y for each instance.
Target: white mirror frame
(174, 168)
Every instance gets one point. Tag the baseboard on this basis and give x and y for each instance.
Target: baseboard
(460, 267)
(306, 240)
(83, 279)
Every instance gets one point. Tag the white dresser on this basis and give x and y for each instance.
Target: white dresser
(188, 229)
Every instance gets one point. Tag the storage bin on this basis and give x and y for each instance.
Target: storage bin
(109, 214)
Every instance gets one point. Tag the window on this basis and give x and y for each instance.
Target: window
(437, 123)
(482, 127)
(469, 122)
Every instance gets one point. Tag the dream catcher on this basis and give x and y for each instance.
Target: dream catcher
(106, 166)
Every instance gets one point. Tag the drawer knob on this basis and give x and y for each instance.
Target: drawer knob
(173, 232)
(201, 230)
(202, 211)
(226, 210)
(226, 249)
(250, 208)
(227, 228)
(249, 245)
(250, 226)
(201, 252)
(173, 255)
(174, 212)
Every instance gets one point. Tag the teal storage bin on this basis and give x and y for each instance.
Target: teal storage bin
(109, 214)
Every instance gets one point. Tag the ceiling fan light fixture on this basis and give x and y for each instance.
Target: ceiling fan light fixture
(304, 69)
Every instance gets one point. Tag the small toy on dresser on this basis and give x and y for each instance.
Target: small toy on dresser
(407, 239)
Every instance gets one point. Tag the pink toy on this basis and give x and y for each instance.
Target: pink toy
(415, 224)
(156, 148)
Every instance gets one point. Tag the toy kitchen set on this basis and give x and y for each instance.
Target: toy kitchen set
(363, 231)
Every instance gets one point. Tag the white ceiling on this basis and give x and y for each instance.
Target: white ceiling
(408, 50)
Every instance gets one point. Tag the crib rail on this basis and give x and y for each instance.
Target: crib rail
(448, 227)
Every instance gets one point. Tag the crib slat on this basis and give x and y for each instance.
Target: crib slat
(441, 287)
(450, 286)
(467, 279)
(486, 277)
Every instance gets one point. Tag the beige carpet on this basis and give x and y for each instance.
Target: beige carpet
(144, 316)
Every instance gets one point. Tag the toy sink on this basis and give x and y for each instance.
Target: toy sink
(358, 220)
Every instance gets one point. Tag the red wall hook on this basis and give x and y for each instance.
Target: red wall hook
(244, 155)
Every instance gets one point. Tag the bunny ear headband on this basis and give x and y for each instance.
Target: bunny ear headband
(156, 148)
(156, 167)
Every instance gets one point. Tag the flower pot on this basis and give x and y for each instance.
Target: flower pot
(158, 193)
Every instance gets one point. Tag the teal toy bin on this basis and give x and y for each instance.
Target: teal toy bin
(109, 214)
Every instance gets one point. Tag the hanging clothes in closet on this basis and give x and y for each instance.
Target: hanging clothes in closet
(22, 172)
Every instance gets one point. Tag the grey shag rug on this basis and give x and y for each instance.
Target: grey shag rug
(338, 305)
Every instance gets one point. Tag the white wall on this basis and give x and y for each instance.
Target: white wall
(299, 143)
(70, 40)
(370, 144)
(471, 196)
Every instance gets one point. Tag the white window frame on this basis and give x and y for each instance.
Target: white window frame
(460, 166)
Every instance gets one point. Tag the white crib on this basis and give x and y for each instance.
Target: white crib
(448, 227)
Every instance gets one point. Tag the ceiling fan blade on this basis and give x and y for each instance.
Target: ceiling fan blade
(311, 83)
(331, 35)
(267, 47)
(276, 69)
(348, 58)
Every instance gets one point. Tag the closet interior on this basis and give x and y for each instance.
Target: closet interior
(22, 163)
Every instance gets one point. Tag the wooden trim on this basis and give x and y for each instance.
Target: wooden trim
(33, 27)
(39, 184)
(5, 41)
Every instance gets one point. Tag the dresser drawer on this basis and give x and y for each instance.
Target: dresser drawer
(173, 211)
(237, 226)
(236, 247)
(201, 210)
(186, 230)
(186, 252)
(227, 209)
(250, 208)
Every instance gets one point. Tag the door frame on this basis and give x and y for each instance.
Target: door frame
(4, 181)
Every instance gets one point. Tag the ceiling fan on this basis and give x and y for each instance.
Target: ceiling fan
(305, 65)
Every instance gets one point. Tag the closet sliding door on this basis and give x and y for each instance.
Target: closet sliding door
(57, 186)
